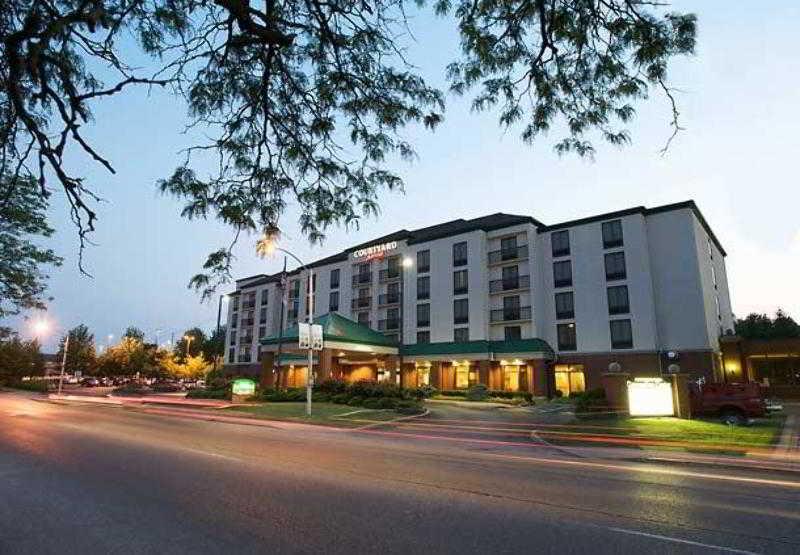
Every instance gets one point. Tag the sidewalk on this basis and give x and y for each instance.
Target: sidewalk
(144, 400)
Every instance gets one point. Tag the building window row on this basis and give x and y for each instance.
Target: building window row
(612, 234)
(460, 254)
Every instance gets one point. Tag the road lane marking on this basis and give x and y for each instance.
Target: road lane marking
(678, 540)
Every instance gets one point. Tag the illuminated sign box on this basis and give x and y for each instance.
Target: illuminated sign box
(650, 397)
(244, 387)
(375, 251)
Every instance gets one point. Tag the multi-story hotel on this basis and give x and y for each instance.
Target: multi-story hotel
(502, 300)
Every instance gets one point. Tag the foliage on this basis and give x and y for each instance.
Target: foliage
(593, 400)
(332, 386)
(129, 357)
(209, 393)
(195, 344)
(132, 388)
(214, 345)
(307, 103)
(23, 210)
(761, 326)
(18, 358)
(409, 407)
(191, 368)
(477, 392)
(81, 355)
(132, 332)
(31, 385)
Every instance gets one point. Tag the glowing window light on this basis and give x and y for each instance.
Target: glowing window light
(650, 397)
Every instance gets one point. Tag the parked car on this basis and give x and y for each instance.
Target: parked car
(734, 403)
(90, 382)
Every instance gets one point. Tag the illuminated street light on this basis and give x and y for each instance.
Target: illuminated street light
(407, 262)
(40, 328)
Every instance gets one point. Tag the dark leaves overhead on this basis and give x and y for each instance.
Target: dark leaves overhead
(305, 101)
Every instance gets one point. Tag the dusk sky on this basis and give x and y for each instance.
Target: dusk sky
(736, 159)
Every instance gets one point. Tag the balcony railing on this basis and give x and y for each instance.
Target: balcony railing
(389, 274)
(509, 284)
(362, 279)
(360, 303)
(387, 299)
(510, 314)
(248, 305)
(508, 255)
(389, 324)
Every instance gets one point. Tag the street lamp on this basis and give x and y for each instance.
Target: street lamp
(40, 328)
(267, 246)
(406, 262)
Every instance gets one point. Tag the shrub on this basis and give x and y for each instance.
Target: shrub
(293, 395)
(204, 393)
(418, 393)
(370, 388)
(331, 386)
(319, 397)
(453, 393)
(387, 402)
(31, 385)
(372, 403)
(408, 406)
(341, 398)
(593, 400)
(477, 392)
(132, 388)
(355, 401)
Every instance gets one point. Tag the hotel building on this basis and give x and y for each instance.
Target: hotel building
(503, 300)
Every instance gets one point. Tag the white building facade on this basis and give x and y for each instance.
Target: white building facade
(509, 301)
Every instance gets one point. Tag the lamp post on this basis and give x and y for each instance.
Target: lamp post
(406, 262)
(267, 246)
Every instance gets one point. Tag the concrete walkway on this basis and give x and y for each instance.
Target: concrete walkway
(789, 444)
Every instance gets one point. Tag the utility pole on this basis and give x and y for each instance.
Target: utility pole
(310, 378)
(63, 364)
(276, 363)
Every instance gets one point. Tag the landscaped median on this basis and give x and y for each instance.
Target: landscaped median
(668, 433)
(335, 402)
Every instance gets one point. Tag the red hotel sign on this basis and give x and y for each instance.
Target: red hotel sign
(375, 251)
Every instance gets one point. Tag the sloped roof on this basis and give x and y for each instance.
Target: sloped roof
(337, 328)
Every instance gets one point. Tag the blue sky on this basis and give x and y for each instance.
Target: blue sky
(737, 159)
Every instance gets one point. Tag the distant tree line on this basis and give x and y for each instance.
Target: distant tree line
(132, 355)
(761, 326)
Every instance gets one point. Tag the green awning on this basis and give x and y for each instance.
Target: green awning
(338, 329)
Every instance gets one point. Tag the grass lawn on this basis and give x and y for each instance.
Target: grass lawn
(661, 433)
(321, 413)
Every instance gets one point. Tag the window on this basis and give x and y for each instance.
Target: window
(236, 303)
(423, 337)
(363, 318)
(423, 315)
(262, 332)
(424, 287)
(294, 290)
(460, 254)
(233, 338)
(714, 277)
(508, 248)
(461, 335)
(510, 277)
(710, 248)
(567, 340)
(612, 234)
(460, 311)
(569, 379)
(562, 273)
(460, 285)
(621, 334)
(512, 333)
(511, 309)
(264, 297)
(559, 241)
(393, 266)
(565, 305)
(335, 278)
(262, 316)
(234, 321)
(423, 262)
(615, 266)
(333, 302)
(618, 300)
(719, 311)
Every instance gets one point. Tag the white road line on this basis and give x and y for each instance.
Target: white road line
(679, 540)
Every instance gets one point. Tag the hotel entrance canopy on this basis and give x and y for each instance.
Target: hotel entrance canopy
(338, 333)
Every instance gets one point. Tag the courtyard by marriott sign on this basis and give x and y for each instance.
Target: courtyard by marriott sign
(375, 251)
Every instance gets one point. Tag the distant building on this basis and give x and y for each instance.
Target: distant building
(511, 302)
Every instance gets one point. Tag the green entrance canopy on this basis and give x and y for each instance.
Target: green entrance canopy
(337, 329)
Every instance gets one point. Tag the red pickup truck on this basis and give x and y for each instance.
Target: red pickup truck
(734, 403)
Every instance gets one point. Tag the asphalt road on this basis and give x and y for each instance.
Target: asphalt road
(78, 479)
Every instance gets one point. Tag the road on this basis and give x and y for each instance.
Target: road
(95, 479)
